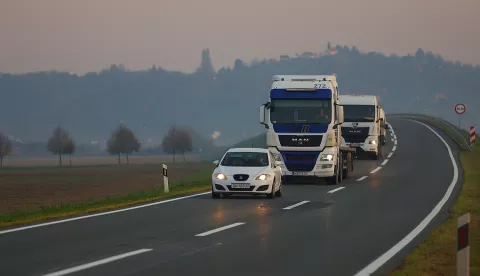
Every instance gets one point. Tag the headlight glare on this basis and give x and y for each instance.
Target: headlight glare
(220, 176)
(262, 177)
(326, 157)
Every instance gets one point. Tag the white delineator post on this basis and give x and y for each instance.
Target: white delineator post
(472, 136)
(165, 178)
(463, 247)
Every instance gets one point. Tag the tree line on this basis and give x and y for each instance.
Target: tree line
(122, 141)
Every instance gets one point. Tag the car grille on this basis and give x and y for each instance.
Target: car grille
(300, 140)
(240, 177)
(355, 135)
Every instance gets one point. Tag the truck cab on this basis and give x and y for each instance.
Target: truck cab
(362, 128)
(303, 119)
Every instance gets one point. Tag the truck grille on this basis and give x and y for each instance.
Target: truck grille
(300, 140)
(301, 158)
(300, 168)
(355, 135)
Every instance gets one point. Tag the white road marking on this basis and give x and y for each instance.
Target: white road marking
(395, 142)
(394, 148)
(362, 178)
(219, 229)
(384, 162)
(296, 205)
(376, 264)
(99, 214)
(376, 170)
(393, 139)
(336, 190)
(390, 155)
(97, 263)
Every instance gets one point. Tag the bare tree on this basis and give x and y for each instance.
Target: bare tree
(70, 148)
(5, 147)
(177, 140)
(123, 140)
(56, 144)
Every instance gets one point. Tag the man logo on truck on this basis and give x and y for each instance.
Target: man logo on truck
(305, 128)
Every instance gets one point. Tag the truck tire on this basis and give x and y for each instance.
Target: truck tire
(347, 170)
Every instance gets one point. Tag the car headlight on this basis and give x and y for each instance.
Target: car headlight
(373, 142)
(326, 157)
(220, 176)
(263, 177)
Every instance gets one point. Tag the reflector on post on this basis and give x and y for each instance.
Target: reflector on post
(463, 247)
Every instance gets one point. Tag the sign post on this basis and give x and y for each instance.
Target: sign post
(460, 109)
(472, 136)
(165, 179)
(463, 247)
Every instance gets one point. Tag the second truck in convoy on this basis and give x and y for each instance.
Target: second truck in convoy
(303, 119)
(364, 124)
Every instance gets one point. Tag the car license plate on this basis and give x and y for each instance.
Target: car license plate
(300, 173)
(241, 185)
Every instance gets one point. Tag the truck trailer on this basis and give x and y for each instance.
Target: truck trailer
(303, 118)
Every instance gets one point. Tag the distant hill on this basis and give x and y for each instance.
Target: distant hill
(226, 100)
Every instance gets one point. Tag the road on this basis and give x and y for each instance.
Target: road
(311, 230)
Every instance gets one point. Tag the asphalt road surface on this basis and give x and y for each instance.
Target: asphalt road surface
(354, 228)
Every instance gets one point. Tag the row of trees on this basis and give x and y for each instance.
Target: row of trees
(121, 142)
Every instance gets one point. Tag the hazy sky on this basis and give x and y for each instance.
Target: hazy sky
(88, 35)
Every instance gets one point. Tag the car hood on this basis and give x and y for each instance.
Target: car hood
(228, 171)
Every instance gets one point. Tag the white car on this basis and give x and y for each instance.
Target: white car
(247, 171)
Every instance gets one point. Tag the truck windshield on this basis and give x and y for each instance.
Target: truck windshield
(305, 111)
(359, 113)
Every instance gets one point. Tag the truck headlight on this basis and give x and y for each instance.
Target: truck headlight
(263, 177)
(220, 176)
(326, 157)
(373, 142)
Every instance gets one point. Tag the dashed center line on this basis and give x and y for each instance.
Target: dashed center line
(336, 190)
(362, 178)
(390, 155)
(376, 170)
(384, 162)
(296, 205)
(219, 229)
(395, 142)
(394, 148)
(97, 263)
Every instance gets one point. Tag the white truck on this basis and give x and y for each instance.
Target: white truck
(303, 119)
(363, 125)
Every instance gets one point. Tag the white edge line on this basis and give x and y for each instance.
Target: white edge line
(384, 162)
(336, 190)
(394, 148)
(362, 178)
(296, 205)
(219, 229)
(376, 170)
(390, 155)
(97, 263)
(376, 264)
(99, 214)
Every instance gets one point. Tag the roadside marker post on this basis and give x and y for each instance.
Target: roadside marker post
(472, 136)
(463, 247)
(165, 178)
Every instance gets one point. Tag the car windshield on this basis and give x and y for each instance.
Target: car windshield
(359, 113)
(305, 111)
(245, 159)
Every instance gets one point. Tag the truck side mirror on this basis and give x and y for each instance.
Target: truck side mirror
(340, 114)
(262, 115)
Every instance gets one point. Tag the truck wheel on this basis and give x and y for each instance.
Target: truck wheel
(346, 171)
(333, 180)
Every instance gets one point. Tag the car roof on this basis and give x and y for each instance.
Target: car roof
(248, 150)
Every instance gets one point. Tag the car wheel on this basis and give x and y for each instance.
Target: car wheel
(215, 195)
(272, 193)
(279, 192)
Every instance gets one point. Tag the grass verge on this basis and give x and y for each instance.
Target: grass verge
(195, 183)
(437, 255)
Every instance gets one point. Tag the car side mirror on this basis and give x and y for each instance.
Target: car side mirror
(216, 162)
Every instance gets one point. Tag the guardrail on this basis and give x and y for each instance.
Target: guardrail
(460, 136)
